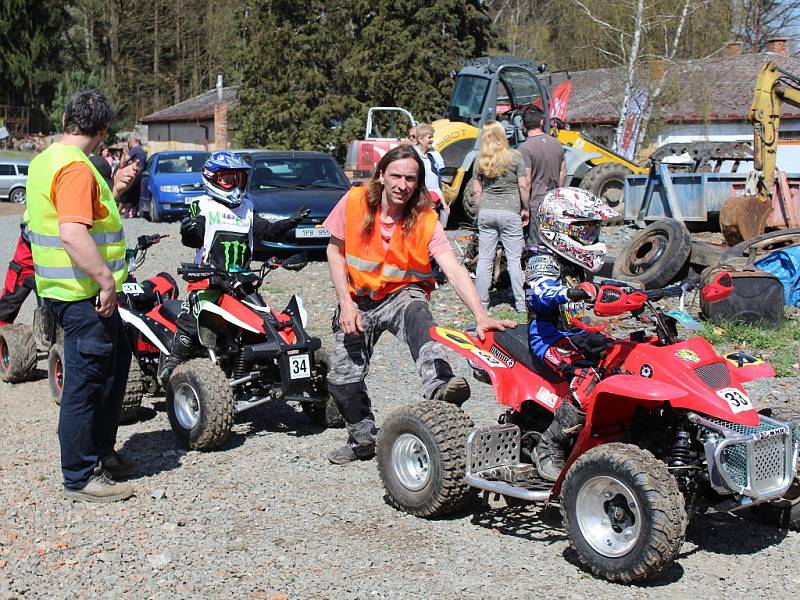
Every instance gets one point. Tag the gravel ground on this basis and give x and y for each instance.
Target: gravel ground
(268, 517)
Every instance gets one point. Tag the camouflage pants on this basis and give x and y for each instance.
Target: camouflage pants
(407, 315)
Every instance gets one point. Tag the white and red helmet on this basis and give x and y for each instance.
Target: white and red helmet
(569, 222)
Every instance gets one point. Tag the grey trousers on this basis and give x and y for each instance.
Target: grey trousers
(407, 315)
(507, 227)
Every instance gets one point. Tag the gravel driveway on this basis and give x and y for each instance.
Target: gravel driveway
(268, 517)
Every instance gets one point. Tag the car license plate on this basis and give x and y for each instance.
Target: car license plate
(312, 232)
(299, 366)
(188, 199)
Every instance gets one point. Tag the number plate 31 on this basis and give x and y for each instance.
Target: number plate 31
(736, 399)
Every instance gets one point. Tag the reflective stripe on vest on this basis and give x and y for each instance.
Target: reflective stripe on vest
(57, 276)
(54, 241)
(372, 269)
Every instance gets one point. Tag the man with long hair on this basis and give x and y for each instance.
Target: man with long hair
(383, 237)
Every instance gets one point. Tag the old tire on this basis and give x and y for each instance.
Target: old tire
(55, 371)
(656, 255)
(421, 452)
(737, 257)
(200, 404)
(623, 512)
(607, 182)
(17, 353)
(322, 413)
(134, 392)
(469, 204)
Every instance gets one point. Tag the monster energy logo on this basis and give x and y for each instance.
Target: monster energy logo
(238, 250)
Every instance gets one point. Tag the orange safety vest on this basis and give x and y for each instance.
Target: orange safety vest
(375, 271)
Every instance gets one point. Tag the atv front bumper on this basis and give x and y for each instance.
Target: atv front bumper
(759, 463)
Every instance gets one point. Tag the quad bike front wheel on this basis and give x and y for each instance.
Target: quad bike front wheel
(200, 404)
(55, 371)
(322, 412)
(623, 513)
(17, 353)
(421, 452)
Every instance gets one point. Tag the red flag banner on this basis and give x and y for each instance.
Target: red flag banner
(559, 101)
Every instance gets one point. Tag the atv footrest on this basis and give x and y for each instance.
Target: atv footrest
(493, 465)
(494, 452)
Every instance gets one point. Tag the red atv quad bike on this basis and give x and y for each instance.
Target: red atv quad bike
(669, 433)
(134, 301)
(249, 354)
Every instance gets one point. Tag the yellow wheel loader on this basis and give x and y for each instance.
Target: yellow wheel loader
(496, 88)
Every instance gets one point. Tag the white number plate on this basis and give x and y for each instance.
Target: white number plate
(188, 199)
(299, 366)
(312, 232)
(736, 399)
(132, 288)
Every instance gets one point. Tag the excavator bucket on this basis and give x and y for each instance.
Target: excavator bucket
(743, 217)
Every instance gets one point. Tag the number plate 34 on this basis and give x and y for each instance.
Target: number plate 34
(736, 399)
(299, 366)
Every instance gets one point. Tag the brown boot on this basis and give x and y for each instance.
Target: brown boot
(100, 489)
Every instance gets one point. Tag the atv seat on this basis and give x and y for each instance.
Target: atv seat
(515, 343)
(170, 310)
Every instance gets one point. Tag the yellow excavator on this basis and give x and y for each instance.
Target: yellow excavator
(747, 216)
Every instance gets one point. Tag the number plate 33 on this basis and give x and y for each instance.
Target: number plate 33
(736, 399)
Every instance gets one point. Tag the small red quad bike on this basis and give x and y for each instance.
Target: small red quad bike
(250, 354)
(133, 302)
(669, 433)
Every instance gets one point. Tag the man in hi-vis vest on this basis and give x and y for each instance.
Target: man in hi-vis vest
(383, 237)
(79, 263)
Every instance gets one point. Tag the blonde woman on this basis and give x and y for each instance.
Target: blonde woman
(502, 191)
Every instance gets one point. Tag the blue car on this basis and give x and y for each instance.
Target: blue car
(170, 181)
(280, 182)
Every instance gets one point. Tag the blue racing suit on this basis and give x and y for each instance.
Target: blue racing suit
(555, 305)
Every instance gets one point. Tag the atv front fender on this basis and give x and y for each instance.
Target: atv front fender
(638, 388)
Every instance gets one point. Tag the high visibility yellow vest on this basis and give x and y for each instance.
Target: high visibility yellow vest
(57, 276)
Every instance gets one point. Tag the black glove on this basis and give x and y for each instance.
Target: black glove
(576, 294)
(192, 231)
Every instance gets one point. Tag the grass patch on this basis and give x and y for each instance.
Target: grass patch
(777, 346)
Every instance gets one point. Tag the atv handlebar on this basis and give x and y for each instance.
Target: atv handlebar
(235, 279)
(615, 299)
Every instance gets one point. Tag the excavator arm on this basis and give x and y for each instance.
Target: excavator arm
(746, 216)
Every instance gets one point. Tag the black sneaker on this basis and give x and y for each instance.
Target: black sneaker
(114, 466)
(456, 391)
(101, 489)
(346, 454)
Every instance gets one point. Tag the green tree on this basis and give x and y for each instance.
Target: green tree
(310, 72)
(31, 55)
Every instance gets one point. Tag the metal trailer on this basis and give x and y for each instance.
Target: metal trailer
(698, 197)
